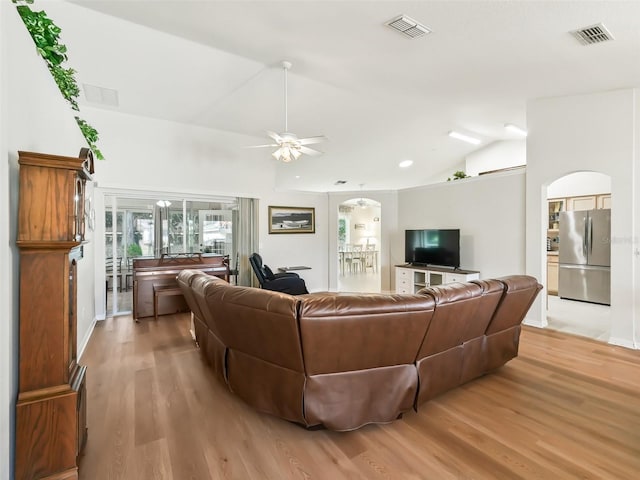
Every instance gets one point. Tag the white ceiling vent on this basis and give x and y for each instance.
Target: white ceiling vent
(408, 26)
(101, 95)
(594, 34)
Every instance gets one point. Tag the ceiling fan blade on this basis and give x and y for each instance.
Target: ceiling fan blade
(261, 146)
(275, 136)
(309, 151)
(310, 140)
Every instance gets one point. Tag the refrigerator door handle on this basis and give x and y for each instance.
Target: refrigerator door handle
(584, 237)
(590, 223)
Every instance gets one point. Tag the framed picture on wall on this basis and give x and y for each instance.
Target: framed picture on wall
(292, 220)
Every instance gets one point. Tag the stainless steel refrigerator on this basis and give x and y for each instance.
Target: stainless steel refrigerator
(585, 256)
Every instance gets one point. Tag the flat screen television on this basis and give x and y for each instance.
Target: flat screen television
(432, 247)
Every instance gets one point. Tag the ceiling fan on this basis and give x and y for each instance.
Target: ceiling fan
(290, 147)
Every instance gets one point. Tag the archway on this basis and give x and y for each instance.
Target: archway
(578, 247)
(359, 245)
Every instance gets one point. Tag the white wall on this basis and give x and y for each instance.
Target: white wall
(8, 349)
(596, 132)
(489, 211)
(580, 183)
(34, 118)
(497, 155)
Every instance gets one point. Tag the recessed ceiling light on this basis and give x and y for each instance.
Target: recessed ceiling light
(465, 138)
(297, 176)
(405, 163)
(515, 129)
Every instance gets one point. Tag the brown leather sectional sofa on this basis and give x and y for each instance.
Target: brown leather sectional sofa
(345, 360)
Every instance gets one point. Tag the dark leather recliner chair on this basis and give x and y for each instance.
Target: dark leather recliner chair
(290, 283)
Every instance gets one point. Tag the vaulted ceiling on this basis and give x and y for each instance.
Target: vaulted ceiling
(378, 96)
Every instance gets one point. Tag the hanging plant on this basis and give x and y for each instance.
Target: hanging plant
(66, 82)
(46, 36)
(90, 135)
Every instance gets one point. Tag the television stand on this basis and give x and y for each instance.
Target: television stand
(411, 278)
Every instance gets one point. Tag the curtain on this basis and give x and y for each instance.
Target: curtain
(247, 238)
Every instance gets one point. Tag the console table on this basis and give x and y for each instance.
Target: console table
(155, 288)
(410, 278)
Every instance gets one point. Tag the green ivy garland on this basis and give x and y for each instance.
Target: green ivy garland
(46, 36)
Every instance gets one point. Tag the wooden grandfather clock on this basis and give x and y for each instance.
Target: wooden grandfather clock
(51, 408)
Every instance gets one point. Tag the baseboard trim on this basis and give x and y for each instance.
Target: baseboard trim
(86, 338)
(623, 342)
(532, 322)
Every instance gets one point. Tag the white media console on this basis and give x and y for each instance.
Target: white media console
(410, 278)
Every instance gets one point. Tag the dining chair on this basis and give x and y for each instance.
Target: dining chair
(357, 258)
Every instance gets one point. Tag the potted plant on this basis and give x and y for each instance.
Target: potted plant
(457, 175)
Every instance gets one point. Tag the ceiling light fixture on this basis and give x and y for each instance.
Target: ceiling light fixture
(163, 203)
(465, 138)
(405, 163)
(362, 203)
(516, 129)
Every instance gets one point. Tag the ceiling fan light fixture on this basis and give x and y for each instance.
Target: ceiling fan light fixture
(278, 153)
(289, 146)
(286, 153)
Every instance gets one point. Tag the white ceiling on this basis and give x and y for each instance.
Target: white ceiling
(378, 96)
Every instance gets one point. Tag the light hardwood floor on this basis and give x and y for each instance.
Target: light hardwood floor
(567, 407)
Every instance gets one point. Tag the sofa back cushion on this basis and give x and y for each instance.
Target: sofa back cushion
(185, 280)
(456, 305)
(198, 287)
(492, 292)
(256, 322)
(519, 293)
(347, 332)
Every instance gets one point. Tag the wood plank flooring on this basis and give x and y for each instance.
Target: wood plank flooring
(567, 407)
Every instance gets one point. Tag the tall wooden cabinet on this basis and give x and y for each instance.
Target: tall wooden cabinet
(51, 408)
